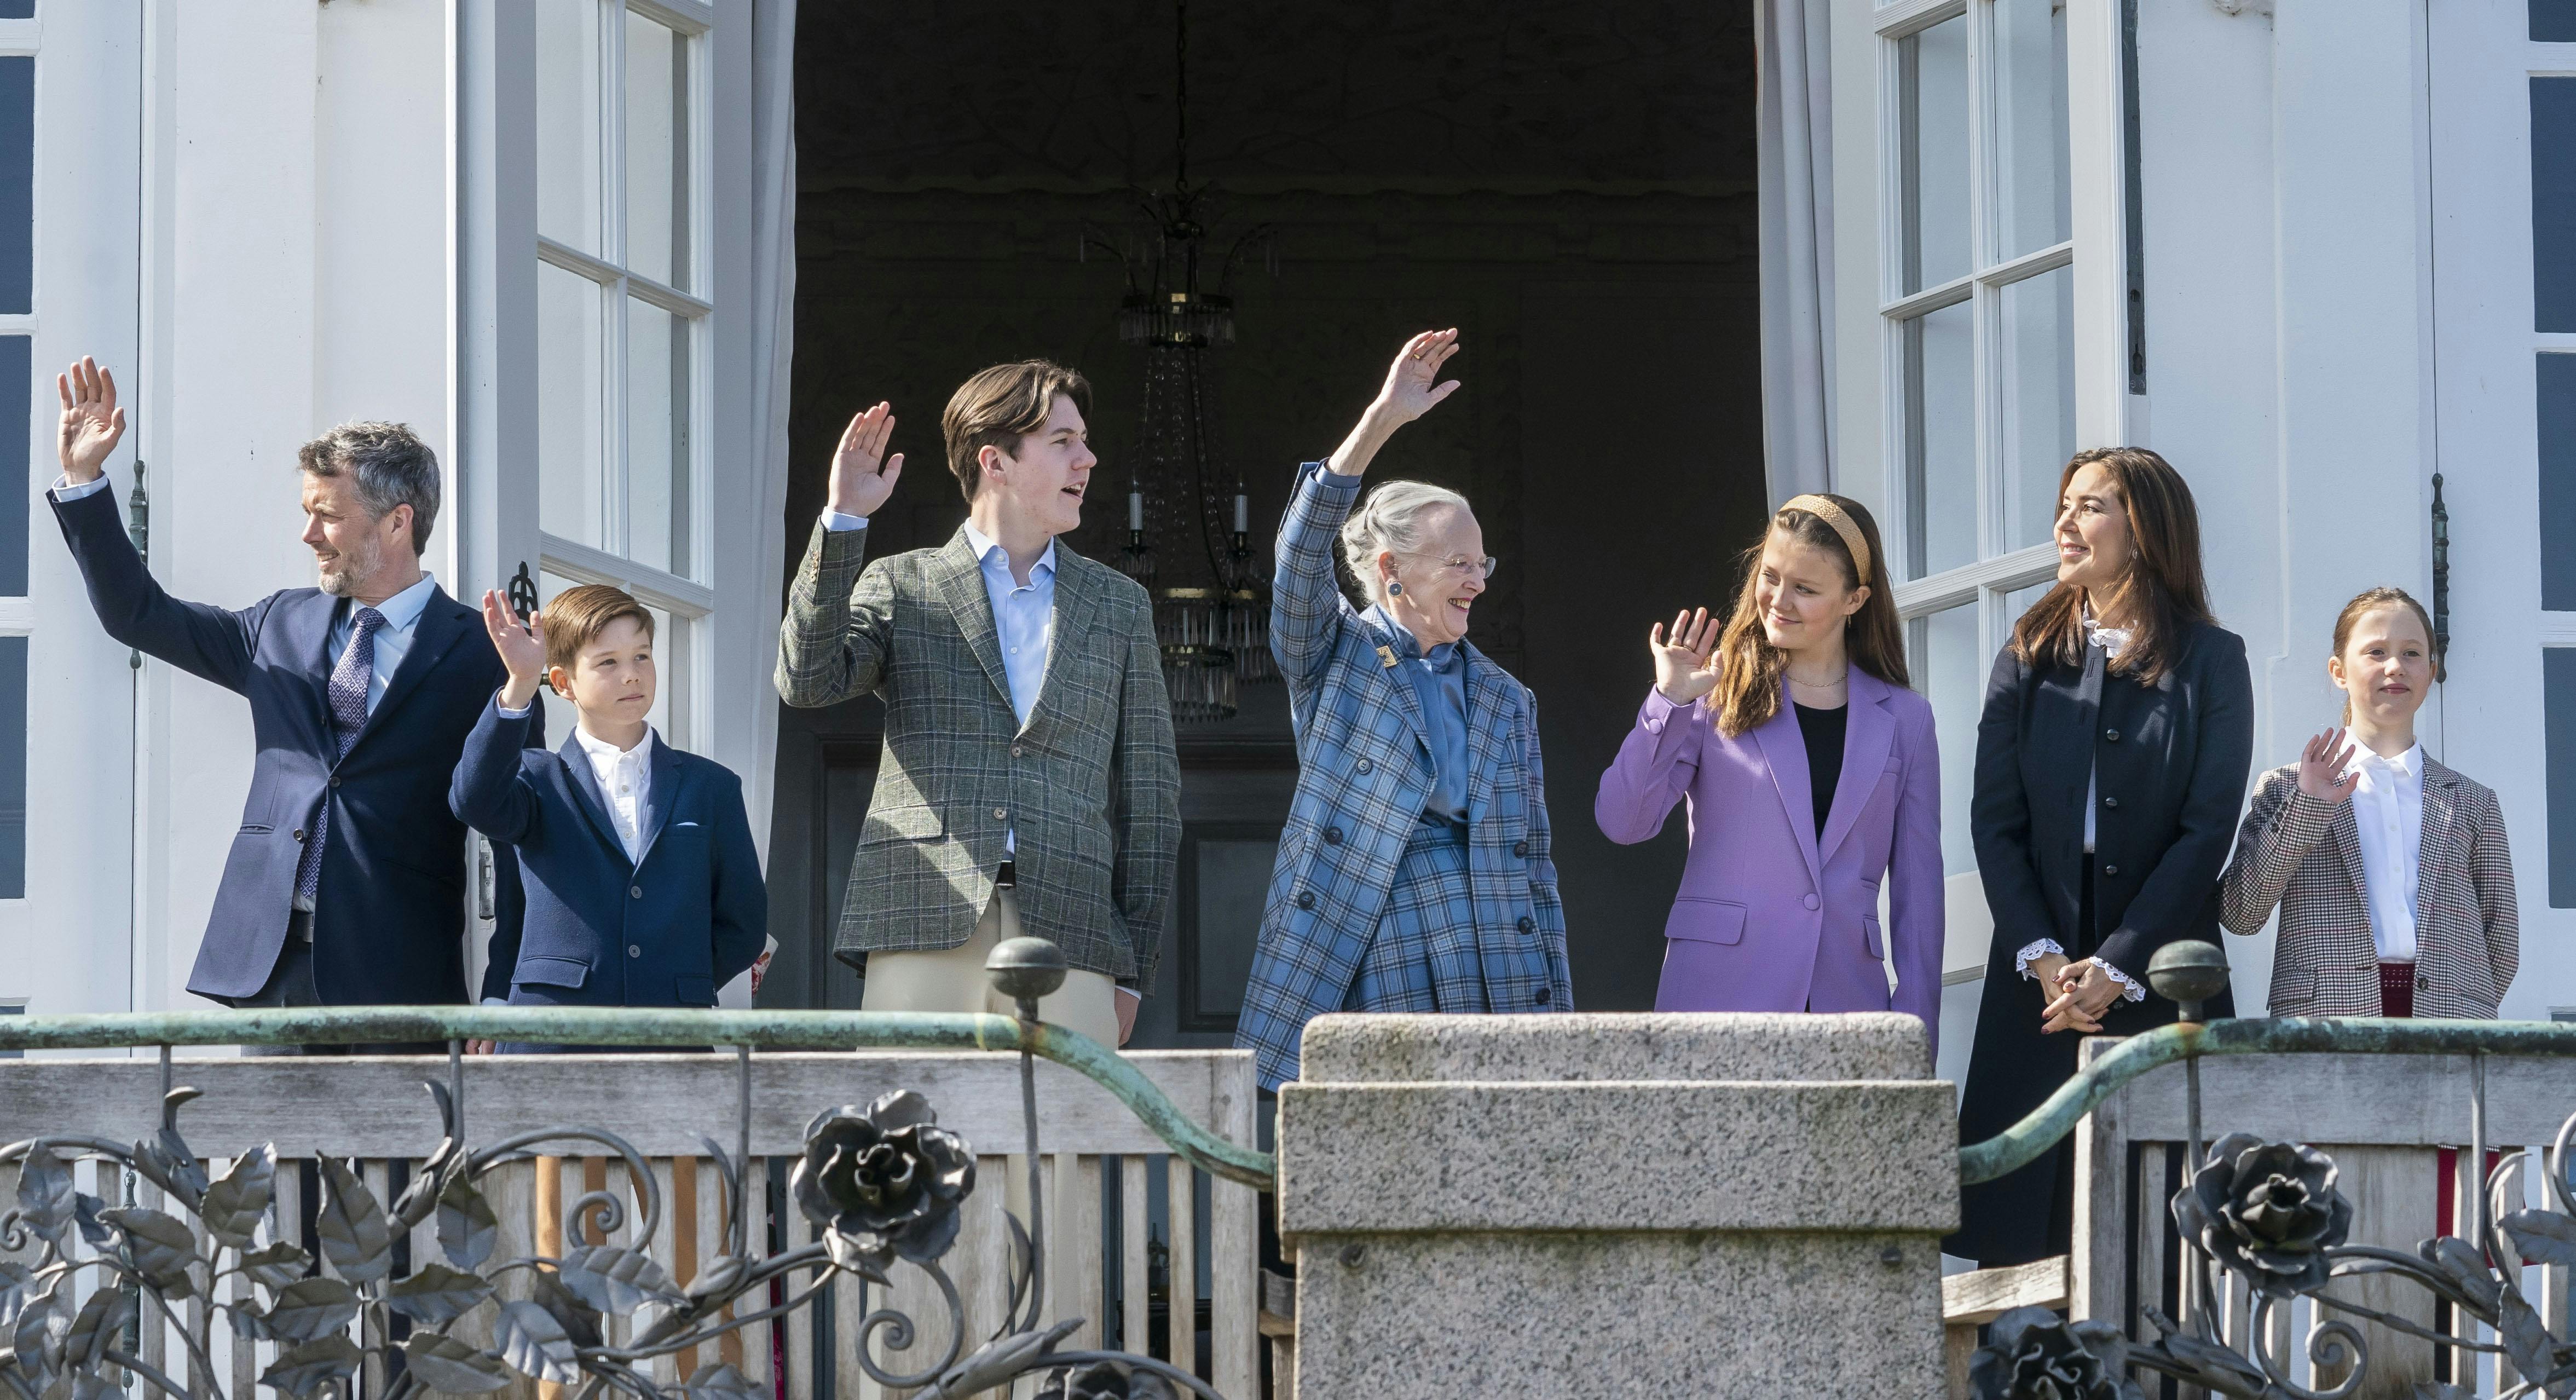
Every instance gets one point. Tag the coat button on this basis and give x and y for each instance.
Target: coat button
(1521, 849)
(1364, 767)
(1542, 995)
(634, 950)
(2420, 983)
(1527, 923)
(1015, 750)
(335, 780)
(634, 891)
(1001, 814)
(2110, 802)
(2111, 734)
(299, 833)
(1305, 899)
(1809, 901)
(2110, 870)
(1332, 836)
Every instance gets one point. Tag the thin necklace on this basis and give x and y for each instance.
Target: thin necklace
(1821, 685)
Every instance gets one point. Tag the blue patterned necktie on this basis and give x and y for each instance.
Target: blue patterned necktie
(348, 715)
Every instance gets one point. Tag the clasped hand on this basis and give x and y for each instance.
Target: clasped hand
(2085, 990)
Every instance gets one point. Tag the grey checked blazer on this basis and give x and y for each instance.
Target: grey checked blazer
(1092, 785)
(2302, 854)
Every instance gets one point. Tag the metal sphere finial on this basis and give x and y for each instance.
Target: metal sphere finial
(1025, 969)
(2188, 973)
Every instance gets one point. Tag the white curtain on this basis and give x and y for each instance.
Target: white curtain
(773, 337)
(1793, 127)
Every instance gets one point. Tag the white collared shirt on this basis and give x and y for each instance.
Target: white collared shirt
(401, 614)
(2388, 820)
(626, 780)
(1023, 626)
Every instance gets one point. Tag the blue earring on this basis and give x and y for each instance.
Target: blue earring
(1394, 589)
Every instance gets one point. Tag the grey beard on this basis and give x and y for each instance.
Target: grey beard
(343, 582)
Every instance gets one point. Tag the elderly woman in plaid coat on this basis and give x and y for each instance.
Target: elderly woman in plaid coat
(1414, 874)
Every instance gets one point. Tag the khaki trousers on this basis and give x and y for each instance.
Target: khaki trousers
(953, 979)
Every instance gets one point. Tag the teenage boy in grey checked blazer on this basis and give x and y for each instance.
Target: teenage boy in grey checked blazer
(1029, 782)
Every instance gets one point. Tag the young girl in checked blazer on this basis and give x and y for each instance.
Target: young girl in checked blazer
(2392, 874)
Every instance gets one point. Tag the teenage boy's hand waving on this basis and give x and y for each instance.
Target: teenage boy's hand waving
(859, 486)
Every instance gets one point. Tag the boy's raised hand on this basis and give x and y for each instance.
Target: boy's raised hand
(522, 649)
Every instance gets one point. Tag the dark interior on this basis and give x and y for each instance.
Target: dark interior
(1569, 184)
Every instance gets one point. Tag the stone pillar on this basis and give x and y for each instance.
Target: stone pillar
(1587, 1205)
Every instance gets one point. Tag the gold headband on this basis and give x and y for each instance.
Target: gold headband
(1824, 509)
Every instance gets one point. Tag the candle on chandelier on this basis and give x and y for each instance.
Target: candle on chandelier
(1240, 514)
(1136, 510)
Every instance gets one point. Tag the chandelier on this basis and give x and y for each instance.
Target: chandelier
(1211, 601)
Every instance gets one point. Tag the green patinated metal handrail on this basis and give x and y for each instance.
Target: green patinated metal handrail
(2019, 1144)
(605, 1025)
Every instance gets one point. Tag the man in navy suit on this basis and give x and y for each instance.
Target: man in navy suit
(346, 883)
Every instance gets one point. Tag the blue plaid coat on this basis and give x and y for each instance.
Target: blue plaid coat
(1365, 771)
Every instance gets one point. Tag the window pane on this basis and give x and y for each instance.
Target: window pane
(1949, 671)
(17, 381)
(669, 715)
(568, 404)
(17, 185)
(2553, 204)
(2038, 381)
(13, 768)
(1932, 83)
(2558, 689)
(2556, 376)
(568, 136)
(2553, 21)
(2032, 209)
(657, 437)
(1940, 442)
(657, 152)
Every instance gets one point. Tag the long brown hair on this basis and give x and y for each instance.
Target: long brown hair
(2165, 591)
(2370, 600)
(1750, 668)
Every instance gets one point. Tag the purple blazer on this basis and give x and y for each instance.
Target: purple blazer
(1769, 917)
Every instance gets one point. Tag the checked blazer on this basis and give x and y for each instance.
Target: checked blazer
(2303, 854)
(1364, 776)
(1092, 786)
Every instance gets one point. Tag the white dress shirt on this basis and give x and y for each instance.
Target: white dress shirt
(2388, 819)
(626, 780)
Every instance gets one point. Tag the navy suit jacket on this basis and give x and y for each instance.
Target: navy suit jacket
(389, 923)
(603, 930)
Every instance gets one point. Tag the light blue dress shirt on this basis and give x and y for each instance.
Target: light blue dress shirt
(393, 639)
(1439, 681)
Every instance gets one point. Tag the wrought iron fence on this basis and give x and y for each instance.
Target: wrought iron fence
(882, 1183)
(2270, 1217)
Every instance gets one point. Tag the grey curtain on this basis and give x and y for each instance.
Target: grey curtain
(1793, 127)
(773, 336)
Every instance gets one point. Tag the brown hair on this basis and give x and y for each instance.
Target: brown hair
(1000, 406)
(578, 615)
(1750, 668)
(2165, 591)
(2370, 600)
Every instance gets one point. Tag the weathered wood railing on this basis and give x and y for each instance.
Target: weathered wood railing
(1099, 1164)
(2403, 1108)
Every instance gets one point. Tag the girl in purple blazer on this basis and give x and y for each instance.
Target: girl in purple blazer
(1812, 777)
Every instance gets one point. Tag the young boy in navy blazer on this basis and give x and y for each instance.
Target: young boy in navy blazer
(643, 887)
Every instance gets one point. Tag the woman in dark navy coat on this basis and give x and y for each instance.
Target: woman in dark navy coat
(2111, 762)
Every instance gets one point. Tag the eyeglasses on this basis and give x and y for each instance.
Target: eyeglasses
(1481, 568)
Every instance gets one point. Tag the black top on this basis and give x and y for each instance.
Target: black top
(1823, 731)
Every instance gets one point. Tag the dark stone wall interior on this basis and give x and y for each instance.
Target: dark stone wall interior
(1570, 184)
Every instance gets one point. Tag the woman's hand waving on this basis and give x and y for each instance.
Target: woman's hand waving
(1685, 660)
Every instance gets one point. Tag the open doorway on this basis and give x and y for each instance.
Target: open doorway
(1571, 185)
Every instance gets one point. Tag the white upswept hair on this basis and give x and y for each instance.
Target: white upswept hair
(1390, 519)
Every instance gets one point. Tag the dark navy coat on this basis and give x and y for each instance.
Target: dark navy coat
(603, 930)
(389, 923)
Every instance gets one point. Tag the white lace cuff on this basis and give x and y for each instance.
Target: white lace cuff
(2039, 948)
(2129, 990)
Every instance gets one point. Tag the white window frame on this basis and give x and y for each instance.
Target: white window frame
(2095, 195)
(689, 601)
